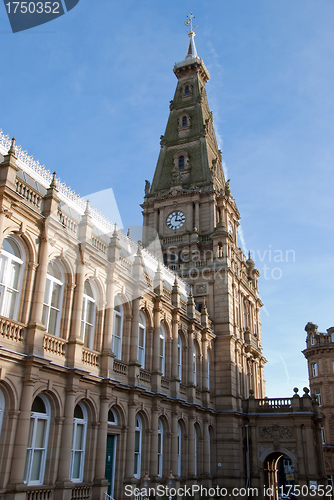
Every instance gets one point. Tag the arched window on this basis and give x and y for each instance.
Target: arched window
(179, 357)
(186, 90)
(11, 271)
(118, 330)
(179, 449)
(181, 162)
(165, 259)
(160, 447)
(2, 408)
(195, 364)
(37, 441)
(184, 121)
(141, 339)
(78, 443)
(112, 417)
(88, 316)
(195, 450)
(312, 340)
(162, 350)
(180, 256)
(138, 446)
(172, 258)
(53, 298)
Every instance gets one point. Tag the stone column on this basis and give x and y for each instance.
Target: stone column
(100, 463)
(156, 375)
(175, 382)
(107, 358)
(191, 384)
(134, 365)
(206, 449)
(67, 310)
(191, 446)
(154, 444)
(197, 215)
(35, 329)
(75, 343)
(22, 433)
(130, 443)
(174, 464)
(156, 221)
(30, 280)
(66, 437)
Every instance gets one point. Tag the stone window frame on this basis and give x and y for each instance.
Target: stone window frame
(191, 90)
(186, 161)
(83, 422)
(181, 117)
(33, 448)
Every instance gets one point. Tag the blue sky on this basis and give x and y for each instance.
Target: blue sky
(88, 95)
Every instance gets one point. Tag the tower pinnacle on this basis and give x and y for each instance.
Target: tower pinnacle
(191, 50)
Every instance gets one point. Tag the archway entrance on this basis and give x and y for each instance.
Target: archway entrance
(279, 475)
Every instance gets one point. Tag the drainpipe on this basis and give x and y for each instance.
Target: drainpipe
(247, 458)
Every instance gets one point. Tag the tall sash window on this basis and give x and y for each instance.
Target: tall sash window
(37, 441)
(88, 316)
(53, 298)
(11, 271)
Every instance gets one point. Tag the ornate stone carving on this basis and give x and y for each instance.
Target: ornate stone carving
(286, 432)
(265, 432)
(201, 289)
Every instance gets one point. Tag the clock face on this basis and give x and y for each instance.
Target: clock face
(175, 220)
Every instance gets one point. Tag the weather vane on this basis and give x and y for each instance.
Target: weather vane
(189, 21)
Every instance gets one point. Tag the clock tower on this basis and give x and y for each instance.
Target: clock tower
(190, 207)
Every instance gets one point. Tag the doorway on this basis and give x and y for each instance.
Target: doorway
(110, 462)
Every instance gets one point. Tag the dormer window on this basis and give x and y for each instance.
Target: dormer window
(181, 162)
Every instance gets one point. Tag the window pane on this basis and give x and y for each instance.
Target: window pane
(137, 441)
(53, 322)
(90, 312)
(118, 324)
(141, 337)
(136, 465)
(47, 292)
(40, 433)
(9, 306)
(36, 465)
(76, 465)
(3, 260)
(45, 316)
(32, 421)
(79, 437)
(13, 271)
(55, 297)
(161, 347)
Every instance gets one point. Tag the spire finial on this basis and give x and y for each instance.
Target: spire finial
(11, 150)
(189, 21)
(53, 182)
(191, 51)
(87, 208)
(115, 229)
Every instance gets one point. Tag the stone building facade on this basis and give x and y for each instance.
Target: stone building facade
(117, 365)
(319, 353)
